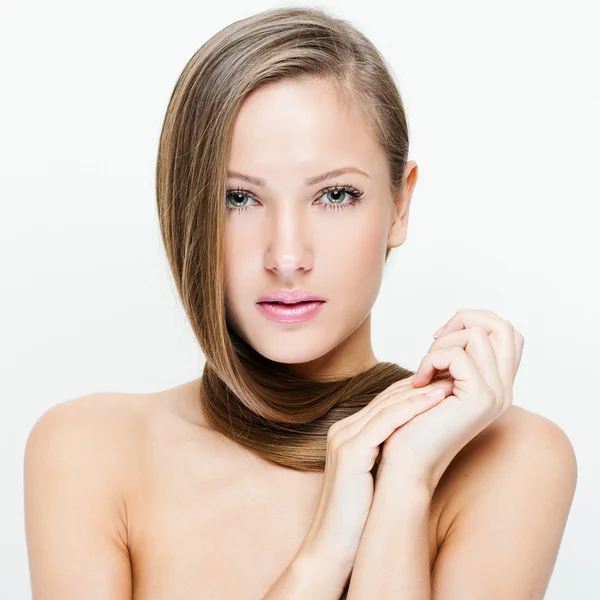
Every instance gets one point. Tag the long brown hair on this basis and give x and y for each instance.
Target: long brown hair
(259, 403)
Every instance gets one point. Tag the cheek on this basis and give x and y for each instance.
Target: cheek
(236, 273)
(355, 257)
(232, 272)
(240, 245)
(244, 266)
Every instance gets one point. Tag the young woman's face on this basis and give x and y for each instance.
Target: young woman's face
(287, 234)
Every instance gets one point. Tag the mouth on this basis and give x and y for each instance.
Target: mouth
(291, 313)
(292, 304)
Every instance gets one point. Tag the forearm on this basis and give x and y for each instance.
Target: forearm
(392, 562)
(310, 576)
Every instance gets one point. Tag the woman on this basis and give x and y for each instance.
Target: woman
(298, 465)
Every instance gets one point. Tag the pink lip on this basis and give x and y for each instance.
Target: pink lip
(293, 313)
(289, 296)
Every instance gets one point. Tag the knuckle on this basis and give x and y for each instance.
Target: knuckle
(414, 399)
(456, 351)
(387, 411)
(489, 398)
(332, 431)
(333, 447)
(478, 332)
(346, 450)
(381, 414)
(333, 439)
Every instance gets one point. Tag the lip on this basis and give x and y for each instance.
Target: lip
(289, 297)
(295, 313)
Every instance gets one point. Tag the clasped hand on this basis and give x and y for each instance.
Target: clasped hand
(481, 353)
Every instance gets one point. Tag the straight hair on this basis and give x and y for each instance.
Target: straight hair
(259, 403)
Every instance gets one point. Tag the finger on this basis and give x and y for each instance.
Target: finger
(505, 341)
(390, 390)
(476, 343)
(388, 419)
(468, 378)
(368, 412)
(446, 386)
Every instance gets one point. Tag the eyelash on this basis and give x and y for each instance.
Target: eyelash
(356, 195)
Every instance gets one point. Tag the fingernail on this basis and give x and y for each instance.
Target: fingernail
(439, 331)
(436, 392)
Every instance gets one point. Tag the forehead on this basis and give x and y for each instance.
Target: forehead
(298, 123)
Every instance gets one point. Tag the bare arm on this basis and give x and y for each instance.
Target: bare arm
(353, 525)
(393, 557)
(503, 542)
(310, 576)
(74, 511)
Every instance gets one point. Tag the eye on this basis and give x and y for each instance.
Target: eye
(238, 198)
(337, 193)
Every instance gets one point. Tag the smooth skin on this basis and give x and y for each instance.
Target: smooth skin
(136, 492)
(113, 485)
(481, 353)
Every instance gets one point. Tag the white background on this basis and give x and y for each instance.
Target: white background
(502, 101)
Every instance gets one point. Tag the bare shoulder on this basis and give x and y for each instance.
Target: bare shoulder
(99, 443)
(109, 419)
(518, 451)
(100, 430)
(77, 471)
(508, 495)
(113, 427)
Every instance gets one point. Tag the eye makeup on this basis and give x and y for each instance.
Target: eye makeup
(356, 195)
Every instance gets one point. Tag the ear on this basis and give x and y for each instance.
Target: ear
(401, 206)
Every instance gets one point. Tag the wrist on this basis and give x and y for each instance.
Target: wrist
(410, 490)
(305, 577)
(405, 478)
(324, 572)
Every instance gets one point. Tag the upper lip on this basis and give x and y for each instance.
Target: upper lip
(289, 296)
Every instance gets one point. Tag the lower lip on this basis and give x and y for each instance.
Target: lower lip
(290, 313)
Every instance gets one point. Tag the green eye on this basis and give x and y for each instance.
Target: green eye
(238, 198)
(339, 191)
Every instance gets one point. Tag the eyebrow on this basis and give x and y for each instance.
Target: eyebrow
(310, 181)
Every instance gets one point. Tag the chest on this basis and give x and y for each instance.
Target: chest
(226, 538)
(223, 544)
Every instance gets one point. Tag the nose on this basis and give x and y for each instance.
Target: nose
(287, 250)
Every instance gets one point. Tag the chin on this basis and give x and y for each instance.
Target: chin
(294, 354)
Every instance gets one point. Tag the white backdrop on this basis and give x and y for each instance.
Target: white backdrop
(502, 101)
